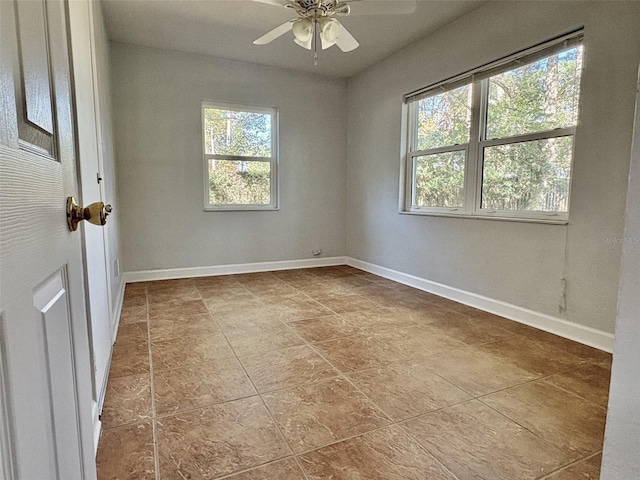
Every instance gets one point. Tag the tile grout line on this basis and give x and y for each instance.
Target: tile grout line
(156, 458)
(546, 379)
(394, 423)
(254, 387)
(548, 442)
(473, 397)
(275, 423)
(541, 378)
(301, 467)
(340, 375)
(193, 409)
(255, 467)
(379, 306)
(569, 465)
(344, 376)
(155, 416)
(398, 423)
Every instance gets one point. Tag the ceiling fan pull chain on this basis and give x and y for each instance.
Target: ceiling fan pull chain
(315, 42)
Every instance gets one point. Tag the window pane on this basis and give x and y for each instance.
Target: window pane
(528, 176)
(536, 97)
(227, 132)
(439, 180)
(444, 119)
(240, 183)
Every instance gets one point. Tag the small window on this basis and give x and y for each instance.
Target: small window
(240, 157)
(498, 141)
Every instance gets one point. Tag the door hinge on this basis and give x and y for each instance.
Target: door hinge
(98, 177)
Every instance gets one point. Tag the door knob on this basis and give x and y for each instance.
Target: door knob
(95, 213)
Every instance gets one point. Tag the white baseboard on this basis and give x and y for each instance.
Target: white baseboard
(558, 326)
(189, 272)
(97, 407)
(115, 322)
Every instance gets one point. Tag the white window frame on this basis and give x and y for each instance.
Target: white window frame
(478, 79)
(273, 160)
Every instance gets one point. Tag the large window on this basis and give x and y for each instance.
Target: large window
(240, 157)
(497, 142)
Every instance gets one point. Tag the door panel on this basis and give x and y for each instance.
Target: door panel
(33, 77)
(52, 302)
(34, 61)
(46, 355)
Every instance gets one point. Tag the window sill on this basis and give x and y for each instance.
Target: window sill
(548, 221)
(248, 208)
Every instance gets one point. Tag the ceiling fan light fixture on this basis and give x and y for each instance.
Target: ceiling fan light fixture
(329, 32)
(303, 31)
(306, 44)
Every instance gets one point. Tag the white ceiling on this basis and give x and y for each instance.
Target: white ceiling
(227, 28)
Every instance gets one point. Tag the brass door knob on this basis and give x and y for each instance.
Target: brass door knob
(95, 213)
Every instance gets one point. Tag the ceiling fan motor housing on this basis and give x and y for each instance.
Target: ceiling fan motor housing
(321, 7)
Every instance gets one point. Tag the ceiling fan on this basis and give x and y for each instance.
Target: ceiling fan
(316, 19)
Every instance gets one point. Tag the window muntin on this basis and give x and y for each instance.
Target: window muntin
(240, 153)
(517, 153)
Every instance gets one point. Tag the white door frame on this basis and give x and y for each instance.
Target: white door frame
(90, 175)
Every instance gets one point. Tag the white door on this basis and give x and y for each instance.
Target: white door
(45, 386)
(91, 186)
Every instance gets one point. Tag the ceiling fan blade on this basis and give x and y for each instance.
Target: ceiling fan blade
(275, 33)
(381, 7)
(277, 3)
(345, 40)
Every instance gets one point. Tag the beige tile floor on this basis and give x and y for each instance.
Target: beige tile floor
(334, 373)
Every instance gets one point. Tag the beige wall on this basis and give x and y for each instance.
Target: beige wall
(518, 263)
(157, 95)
